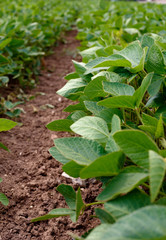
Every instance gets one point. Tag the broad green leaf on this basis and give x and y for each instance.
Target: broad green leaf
(77, 115)
(111, 145)
(155, 60)
(161, 201)
(89, 53)
(72, 108)
(147, 223)
(0, 180)
(140, 92)
(3, 60)
(155, 85)
(135, 144)
(6, 124)
(148, 128)
(73, 169)
(73, 86)
(118, 89)
(3, 199)
(4, 43)
(3, 147)
(127, 204)
(93, 107)
(107, 165)
(150, 124)
(160, 128)
(157, 172)
(79, 203)
(72, 75)
(60, 125)
(91, 128)
(118, 102)
(58, 212)
(132, 56)
(123, 183)
(80, 150)
(95, 88)
(161, 110)
(55, 153)
(108, 113)
(114, 77)
(69, 195)
(115, 124)
(79, 67)
(149, 120)
(104, 216)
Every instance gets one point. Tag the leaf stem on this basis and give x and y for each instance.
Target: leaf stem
(138, 115)
(93, 203)
(124, 117)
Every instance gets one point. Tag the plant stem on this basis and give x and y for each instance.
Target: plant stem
(138, 115)
(124, 117)
(94, 203)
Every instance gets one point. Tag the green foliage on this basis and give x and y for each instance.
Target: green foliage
(120, 116)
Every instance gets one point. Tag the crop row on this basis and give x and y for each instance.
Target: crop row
(120, 117)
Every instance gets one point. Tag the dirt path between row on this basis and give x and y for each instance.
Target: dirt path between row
(30, 175)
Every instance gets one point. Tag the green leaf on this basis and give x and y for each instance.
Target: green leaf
(93, 107)
(80, 150)
(73, 86)
(3, 199)
(160, 128)
(118, 89)
(95, 88)
(132, 56)
(149, 120)
(108, 113)
(69, 195)
(73, 169)
(161, 110)
(155, 85)
(79, 203)
(4, 43)
(111, 145)
(77, 115)
(155, 60)
(6, 124)
(91, 128)
(118, 102)
(135, 144)
(60, 125)
(3, 147)
(147, 223)
(58, 212)
(127, 204)
(123, 183)
(89, 53)
(107, 165)
(79, 67)
(157, 173)
(58, 155)
(140, 92)
(72, 75)
(3, 60)
(104, 216)
(127, 101)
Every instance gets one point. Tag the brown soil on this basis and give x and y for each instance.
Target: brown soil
(30, 175)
